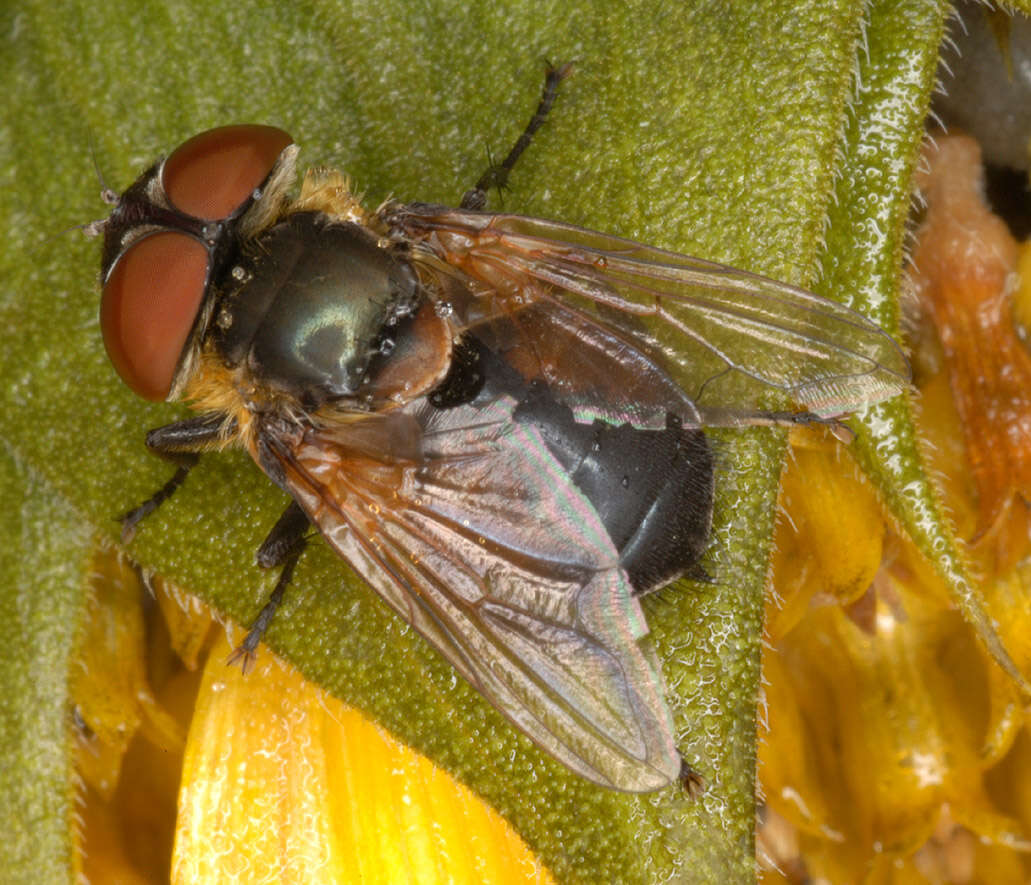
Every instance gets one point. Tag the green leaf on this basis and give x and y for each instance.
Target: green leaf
(724, 131)
(44, 547)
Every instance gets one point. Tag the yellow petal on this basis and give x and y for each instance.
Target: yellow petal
(187, 619)
(110, 687)
(284, 781)
(830, 536)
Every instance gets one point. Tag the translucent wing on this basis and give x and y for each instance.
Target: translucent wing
(465, 524)
(725, 335)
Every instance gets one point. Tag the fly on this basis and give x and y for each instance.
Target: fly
(498, 421)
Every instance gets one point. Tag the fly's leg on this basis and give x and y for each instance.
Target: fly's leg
(497, 174)
(717, 417)
(283, 547)
(181, 443)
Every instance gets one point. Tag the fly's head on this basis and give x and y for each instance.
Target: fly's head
(171, 235)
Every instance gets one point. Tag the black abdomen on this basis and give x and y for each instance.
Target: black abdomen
(652, 489)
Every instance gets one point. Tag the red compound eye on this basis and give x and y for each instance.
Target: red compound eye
(155, 290)
(148, 306)
(213, 173)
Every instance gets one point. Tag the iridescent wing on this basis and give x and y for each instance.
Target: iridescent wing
(728, 337)
(465, 524)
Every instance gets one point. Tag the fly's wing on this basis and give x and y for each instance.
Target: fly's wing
(727, 336)
(470, 531)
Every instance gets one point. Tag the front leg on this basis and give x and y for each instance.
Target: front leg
(181, 443)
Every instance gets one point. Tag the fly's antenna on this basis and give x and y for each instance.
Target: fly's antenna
(94, 228)
(496, 175)
(106, 194)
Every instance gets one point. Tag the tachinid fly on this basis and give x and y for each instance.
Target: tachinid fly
(496, 420)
